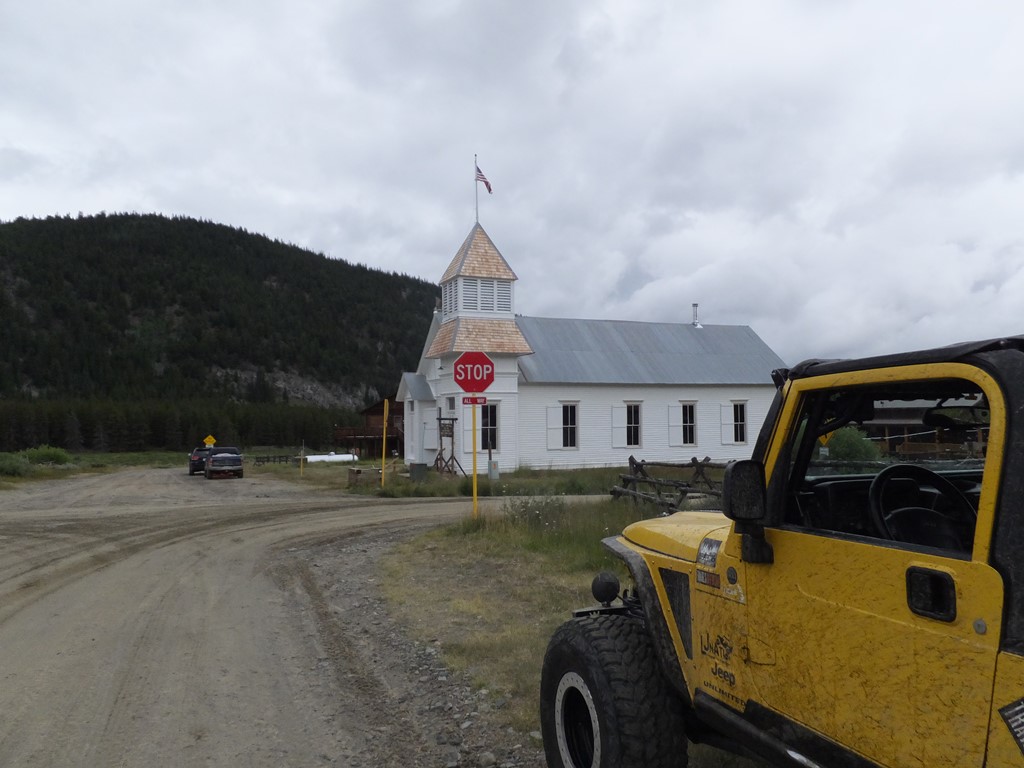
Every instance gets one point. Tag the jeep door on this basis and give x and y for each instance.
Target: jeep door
(879, 636)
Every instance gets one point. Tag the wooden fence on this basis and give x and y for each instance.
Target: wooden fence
(669, 494)
(258, 461)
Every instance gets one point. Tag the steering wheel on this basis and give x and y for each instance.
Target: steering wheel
(922, 525)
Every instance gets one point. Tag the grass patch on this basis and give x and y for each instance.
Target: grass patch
(398, 483)
(503, 583)
(157, 459)
(46, 463)
(522, 482)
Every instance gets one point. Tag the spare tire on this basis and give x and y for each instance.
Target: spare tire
(604, 701)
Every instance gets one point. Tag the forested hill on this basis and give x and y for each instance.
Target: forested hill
(128, 307)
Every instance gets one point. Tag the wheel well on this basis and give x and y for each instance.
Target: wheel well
(654, 617)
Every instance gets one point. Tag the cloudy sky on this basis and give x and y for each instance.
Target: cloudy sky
(844, 177)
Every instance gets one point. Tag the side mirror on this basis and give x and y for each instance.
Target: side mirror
(744, 502)
(743, 494)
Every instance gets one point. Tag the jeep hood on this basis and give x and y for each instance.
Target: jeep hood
(677, 535)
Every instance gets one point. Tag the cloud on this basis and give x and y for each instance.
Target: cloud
(844, 178)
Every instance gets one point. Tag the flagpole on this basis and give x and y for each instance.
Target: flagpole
(476, 189)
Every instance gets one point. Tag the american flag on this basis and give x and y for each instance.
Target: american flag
(480, 177)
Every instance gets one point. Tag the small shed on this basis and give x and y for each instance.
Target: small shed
(366, 440)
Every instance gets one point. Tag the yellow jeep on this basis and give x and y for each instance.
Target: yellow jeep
(858, 601)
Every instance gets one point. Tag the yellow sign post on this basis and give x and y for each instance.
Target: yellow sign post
(476, 508)
(474, 401)
(209, 441)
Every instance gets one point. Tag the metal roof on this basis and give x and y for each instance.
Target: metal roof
(414, 386)
(568, 351)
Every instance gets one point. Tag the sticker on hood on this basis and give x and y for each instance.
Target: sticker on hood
(707, 555)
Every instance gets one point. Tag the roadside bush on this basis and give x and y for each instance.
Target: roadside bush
(575, 486)
(483, 486)
(13, 465)
(852, 444)
(46, 454)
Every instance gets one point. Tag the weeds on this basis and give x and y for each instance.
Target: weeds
(570, 532)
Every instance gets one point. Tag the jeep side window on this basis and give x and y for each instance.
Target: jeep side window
(899, 461)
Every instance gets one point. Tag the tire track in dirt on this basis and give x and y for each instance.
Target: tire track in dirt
(396, 740)
(87, 547)
(161, 635)
(28, 574)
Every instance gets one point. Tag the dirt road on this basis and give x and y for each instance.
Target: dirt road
(149, 618)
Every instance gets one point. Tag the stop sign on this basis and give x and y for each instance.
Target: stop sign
(474, 371)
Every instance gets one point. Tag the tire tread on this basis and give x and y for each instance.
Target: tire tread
(647, 714)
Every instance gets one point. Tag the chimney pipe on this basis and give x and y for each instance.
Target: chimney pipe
(696, 322)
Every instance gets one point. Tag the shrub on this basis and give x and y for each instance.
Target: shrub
(574, 486)
(13, 465)
(852, 444)
(483, 486)
(46, 454)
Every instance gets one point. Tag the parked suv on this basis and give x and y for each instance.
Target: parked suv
(197, 459)
(224, 461)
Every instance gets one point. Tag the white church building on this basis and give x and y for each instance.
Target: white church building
(571, 393)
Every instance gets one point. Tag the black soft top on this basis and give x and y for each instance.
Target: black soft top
(951, 353)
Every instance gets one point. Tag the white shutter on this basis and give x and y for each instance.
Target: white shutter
(504, 296)
(728, 435)
(675, 425)
(554, 427)
(618, 426)
(487, 298)
(430, 436)
(470, 293)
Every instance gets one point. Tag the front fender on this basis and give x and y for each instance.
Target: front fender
(657, 624)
